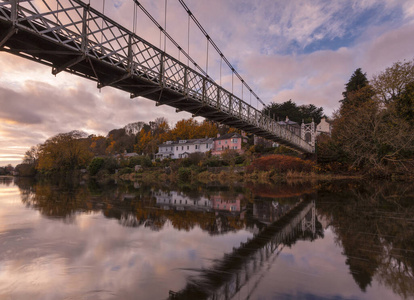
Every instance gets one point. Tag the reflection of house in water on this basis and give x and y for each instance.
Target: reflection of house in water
(179, 201)
(225, 204)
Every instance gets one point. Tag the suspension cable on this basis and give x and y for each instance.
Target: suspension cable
(103, 12)
(217, 49)
(134, 24)
(207, 57)
(165, 25)
(170, 38)
(188, 38)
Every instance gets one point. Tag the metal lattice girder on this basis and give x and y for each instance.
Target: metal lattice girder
(71, 36)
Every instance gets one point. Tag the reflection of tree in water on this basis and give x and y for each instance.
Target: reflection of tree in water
(132, 206)
(6, 180)
(373, 224)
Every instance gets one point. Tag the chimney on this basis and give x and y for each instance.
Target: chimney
(218, 135)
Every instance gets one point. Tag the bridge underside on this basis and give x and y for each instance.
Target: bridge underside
(21, 40)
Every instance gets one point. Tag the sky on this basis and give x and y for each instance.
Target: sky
(303, 50)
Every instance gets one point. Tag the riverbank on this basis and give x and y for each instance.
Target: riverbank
(229, 174)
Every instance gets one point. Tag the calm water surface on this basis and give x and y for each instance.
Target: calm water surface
(344, 240)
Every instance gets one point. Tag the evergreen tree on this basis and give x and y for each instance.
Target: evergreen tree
(295, 113)
(352, 93)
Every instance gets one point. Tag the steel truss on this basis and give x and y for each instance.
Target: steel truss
(71, 36)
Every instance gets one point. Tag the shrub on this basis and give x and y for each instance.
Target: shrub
(26, 170)
(125, 171)
(95, 165)
(280, 163)
(184, 174)
(143, 161)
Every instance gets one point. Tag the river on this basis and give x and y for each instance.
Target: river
(294, 240)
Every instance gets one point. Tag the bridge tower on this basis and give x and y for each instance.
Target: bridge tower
(308, 132)
(309, 222)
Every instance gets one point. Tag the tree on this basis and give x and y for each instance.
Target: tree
(185, 129)
(404, 104)
(357, 81)
(295, 113)
(32, 155)
(391, 84)
(65, 151)
(373, 127)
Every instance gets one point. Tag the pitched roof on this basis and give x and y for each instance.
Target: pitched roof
(191, 141)
(228, 136)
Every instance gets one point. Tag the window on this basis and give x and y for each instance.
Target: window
(176, 148)
(196, 147)
(182, 147)
(206, 146)
(234, 140)
(226, 142)
(188, 147)
(234, 147)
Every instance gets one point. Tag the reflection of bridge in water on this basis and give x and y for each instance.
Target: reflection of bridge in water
(230, 276)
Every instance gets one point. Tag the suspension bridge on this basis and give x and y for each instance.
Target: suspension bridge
(72, 36)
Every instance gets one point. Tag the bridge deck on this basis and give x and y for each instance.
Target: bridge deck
(82, 41)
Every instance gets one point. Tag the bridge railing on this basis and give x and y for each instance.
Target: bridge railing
(81, 28)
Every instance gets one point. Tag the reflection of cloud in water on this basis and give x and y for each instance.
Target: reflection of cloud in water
(95, 257)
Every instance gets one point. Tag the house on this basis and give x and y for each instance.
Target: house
(183, 148)
(227, 141)
(179, 201)
(233, 204)
(325, 127)
(291, 125)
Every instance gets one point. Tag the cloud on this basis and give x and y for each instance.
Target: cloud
(300, 50)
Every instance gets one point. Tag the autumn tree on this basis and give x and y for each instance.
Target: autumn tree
(98, 144)
(65, 151)
(151, 135)
(119, 141)
(372, 127)
(185, 129)
(391, 84)
(32, 155)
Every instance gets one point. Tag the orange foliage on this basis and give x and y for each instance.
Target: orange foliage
(280, 163)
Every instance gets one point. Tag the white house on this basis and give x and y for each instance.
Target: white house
(183, 148)
(324, 126)
(179, 201)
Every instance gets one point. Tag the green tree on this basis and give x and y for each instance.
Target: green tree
(357, 81)
(295, 113)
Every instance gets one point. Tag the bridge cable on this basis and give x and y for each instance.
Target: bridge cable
(134, 24)
(221, 62)
(103, 12)
(165, 26)
(217, 49)
(188, 38)
(207, 58)
(171, 39)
